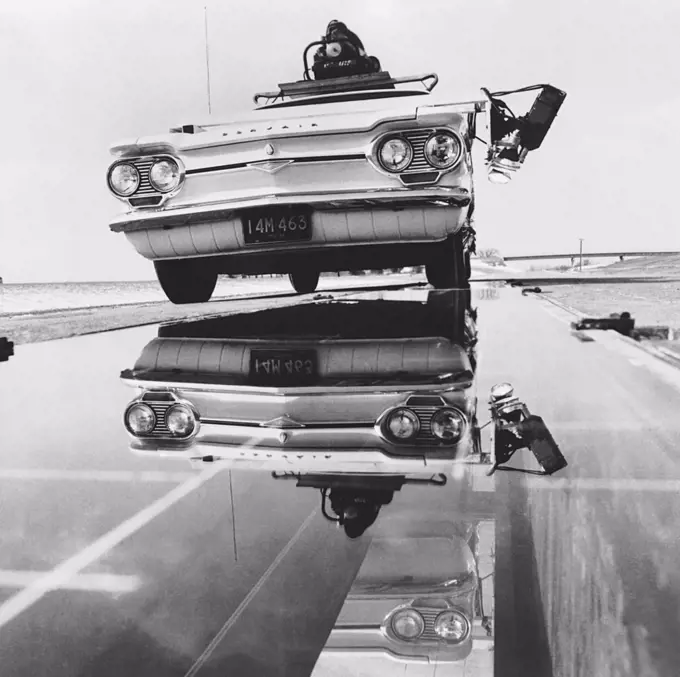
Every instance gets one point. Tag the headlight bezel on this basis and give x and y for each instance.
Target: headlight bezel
(463, 424)
(448, 166)
(385, 427)
(145, 189)
(382, 143)
(138, 404)
(459, 615)
(160, 432)
(109, 174)
(193, 417)
(397, 614)
(170, 160)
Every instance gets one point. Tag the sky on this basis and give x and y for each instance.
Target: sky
(79, 75)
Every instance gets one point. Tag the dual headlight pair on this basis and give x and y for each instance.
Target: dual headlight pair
(141, 420)
(407, 624)
(442, 151)
(165, 175)
(402, 424)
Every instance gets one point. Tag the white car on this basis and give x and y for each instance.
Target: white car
(344, 173)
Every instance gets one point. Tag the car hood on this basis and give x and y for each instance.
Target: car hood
(299, 120)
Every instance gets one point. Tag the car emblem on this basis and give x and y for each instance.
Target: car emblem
(283, 437)
(269, 149)
(270, 166)
(284, 421)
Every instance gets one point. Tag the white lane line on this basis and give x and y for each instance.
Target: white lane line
(201, 660)
(111, 583)
(93, 475)
(603, 484)
(71, 567)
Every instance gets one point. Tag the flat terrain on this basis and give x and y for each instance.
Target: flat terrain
(648, 302)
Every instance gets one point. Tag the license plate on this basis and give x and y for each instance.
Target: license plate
(283, 367)
(262, 226)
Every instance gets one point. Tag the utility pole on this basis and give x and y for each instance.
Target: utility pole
(580, 253)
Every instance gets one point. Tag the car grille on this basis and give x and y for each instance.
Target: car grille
(145, 188)
(424, 407)
(417, 140)
(429, 616)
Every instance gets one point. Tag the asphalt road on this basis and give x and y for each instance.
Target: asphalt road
(115, 565)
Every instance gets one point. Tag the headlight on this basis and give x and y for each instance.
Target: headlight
(140, 419)
(502, 391)
(333, 49)
(442, 150)
(402, 424)
(407, 624)
(452, 626)
(395, 154)
(448, 425)
(123, 179)
(164, 175)
(180, 420)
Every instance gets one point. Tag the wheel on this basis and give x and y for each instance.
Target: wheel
(186, 280)
(450, 266)
(304, 281)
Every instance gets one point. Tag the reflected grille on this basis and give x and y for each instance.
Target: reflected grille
(160, 409)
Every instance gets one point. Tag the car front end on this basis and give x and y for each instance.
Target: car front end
(349, 182)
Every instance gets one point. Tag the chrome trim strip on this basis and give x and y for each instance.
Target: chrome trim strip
(284, 162)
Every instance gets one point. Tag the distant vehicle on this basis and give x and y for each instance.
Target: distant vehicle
(369, 383)
(343, 170)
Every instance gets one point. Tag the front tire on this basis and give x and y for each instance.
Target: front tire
(304, 281)
(449, 268)
(186, 280)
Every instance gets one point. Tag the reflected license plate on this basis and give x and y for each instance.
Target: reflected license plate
(283, 367)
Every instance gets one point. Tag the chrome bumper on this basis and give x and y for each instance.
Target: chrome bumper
(343, 200)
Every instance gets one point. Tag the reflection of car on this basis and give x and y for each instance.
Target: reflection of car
(420, 599)
(344, 173)
(362, 381)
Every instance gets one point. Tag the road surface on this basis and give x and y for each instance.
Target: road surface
(111, 564)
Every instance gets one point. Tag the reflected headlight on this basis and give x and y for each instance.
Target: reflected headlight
(448, 425)
(180, 420)
(140, 419)
(407, 624)
(452, 626)
(395, 154)
(165, 175)
(402, 424)
(497, 176)
(443, 150)
(123, 179)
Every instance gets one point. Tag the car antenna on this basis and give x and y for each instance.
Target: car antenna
(207, 58)
(233, 517)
